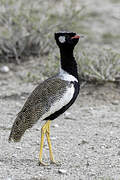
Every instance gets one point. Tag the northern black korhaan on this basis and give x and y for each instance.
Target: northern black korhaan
(51, 97)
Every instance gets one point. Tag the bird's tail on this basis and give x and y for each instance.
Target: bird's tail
(18, 129)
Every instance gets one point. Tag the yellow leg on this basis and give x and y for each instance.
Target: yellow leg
(46, 130)
(43, 130)
(49, 143)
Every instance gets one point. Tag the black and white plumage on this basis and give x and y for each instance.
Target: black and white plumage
(53, 96)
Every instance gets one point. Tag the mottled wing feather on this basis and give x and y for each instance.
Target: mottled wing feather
(37, 104)
(44, 95)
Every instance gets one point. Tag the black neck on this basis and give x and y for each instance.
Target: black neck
(68, 62)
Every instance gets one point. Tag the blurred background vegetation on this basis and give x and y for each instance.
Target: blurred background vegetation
(27, 30)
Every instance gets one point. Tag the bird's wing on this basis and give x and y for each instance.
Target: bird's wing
(47, 98)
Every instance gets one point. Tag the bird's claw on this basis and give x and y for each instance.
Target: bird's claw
(42, 163)
(51, 162)
(54, 162)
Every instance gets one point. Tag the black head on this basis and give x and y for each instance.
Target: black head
(66, 39)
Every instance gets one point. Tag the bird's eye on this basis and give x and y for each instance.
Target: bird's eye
(62, 39)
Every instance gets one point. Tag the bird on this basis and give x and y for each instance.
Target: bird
(53, 96)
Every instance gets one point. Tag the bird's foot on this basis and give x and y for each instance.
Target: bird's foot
(54, 162)
(42, 163)
(51, 162)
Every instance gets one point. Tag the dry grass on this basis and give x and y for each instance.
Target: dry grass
(101, 65)
(27, 28)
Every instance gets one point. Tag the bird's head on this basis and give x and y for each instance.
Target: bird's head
(67, 39)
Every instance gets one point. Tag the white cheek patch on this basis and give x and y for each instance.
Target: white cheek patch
(62, 39)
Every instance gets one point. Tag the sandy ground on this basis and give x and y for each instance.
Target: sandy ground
(86, 139)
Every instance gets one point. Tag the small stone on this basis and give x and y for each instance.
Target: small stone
(102, 146)
(67, 115)
(55, 125)
(18, 147)
(62, 171)
(116, 102)
(38, 142)
(4, 69)
(118, 153)
(38, 129)
(91, 108)
(82, 142)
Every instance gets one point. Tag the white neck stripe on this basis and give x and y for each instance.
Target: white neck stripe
(66, 76)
